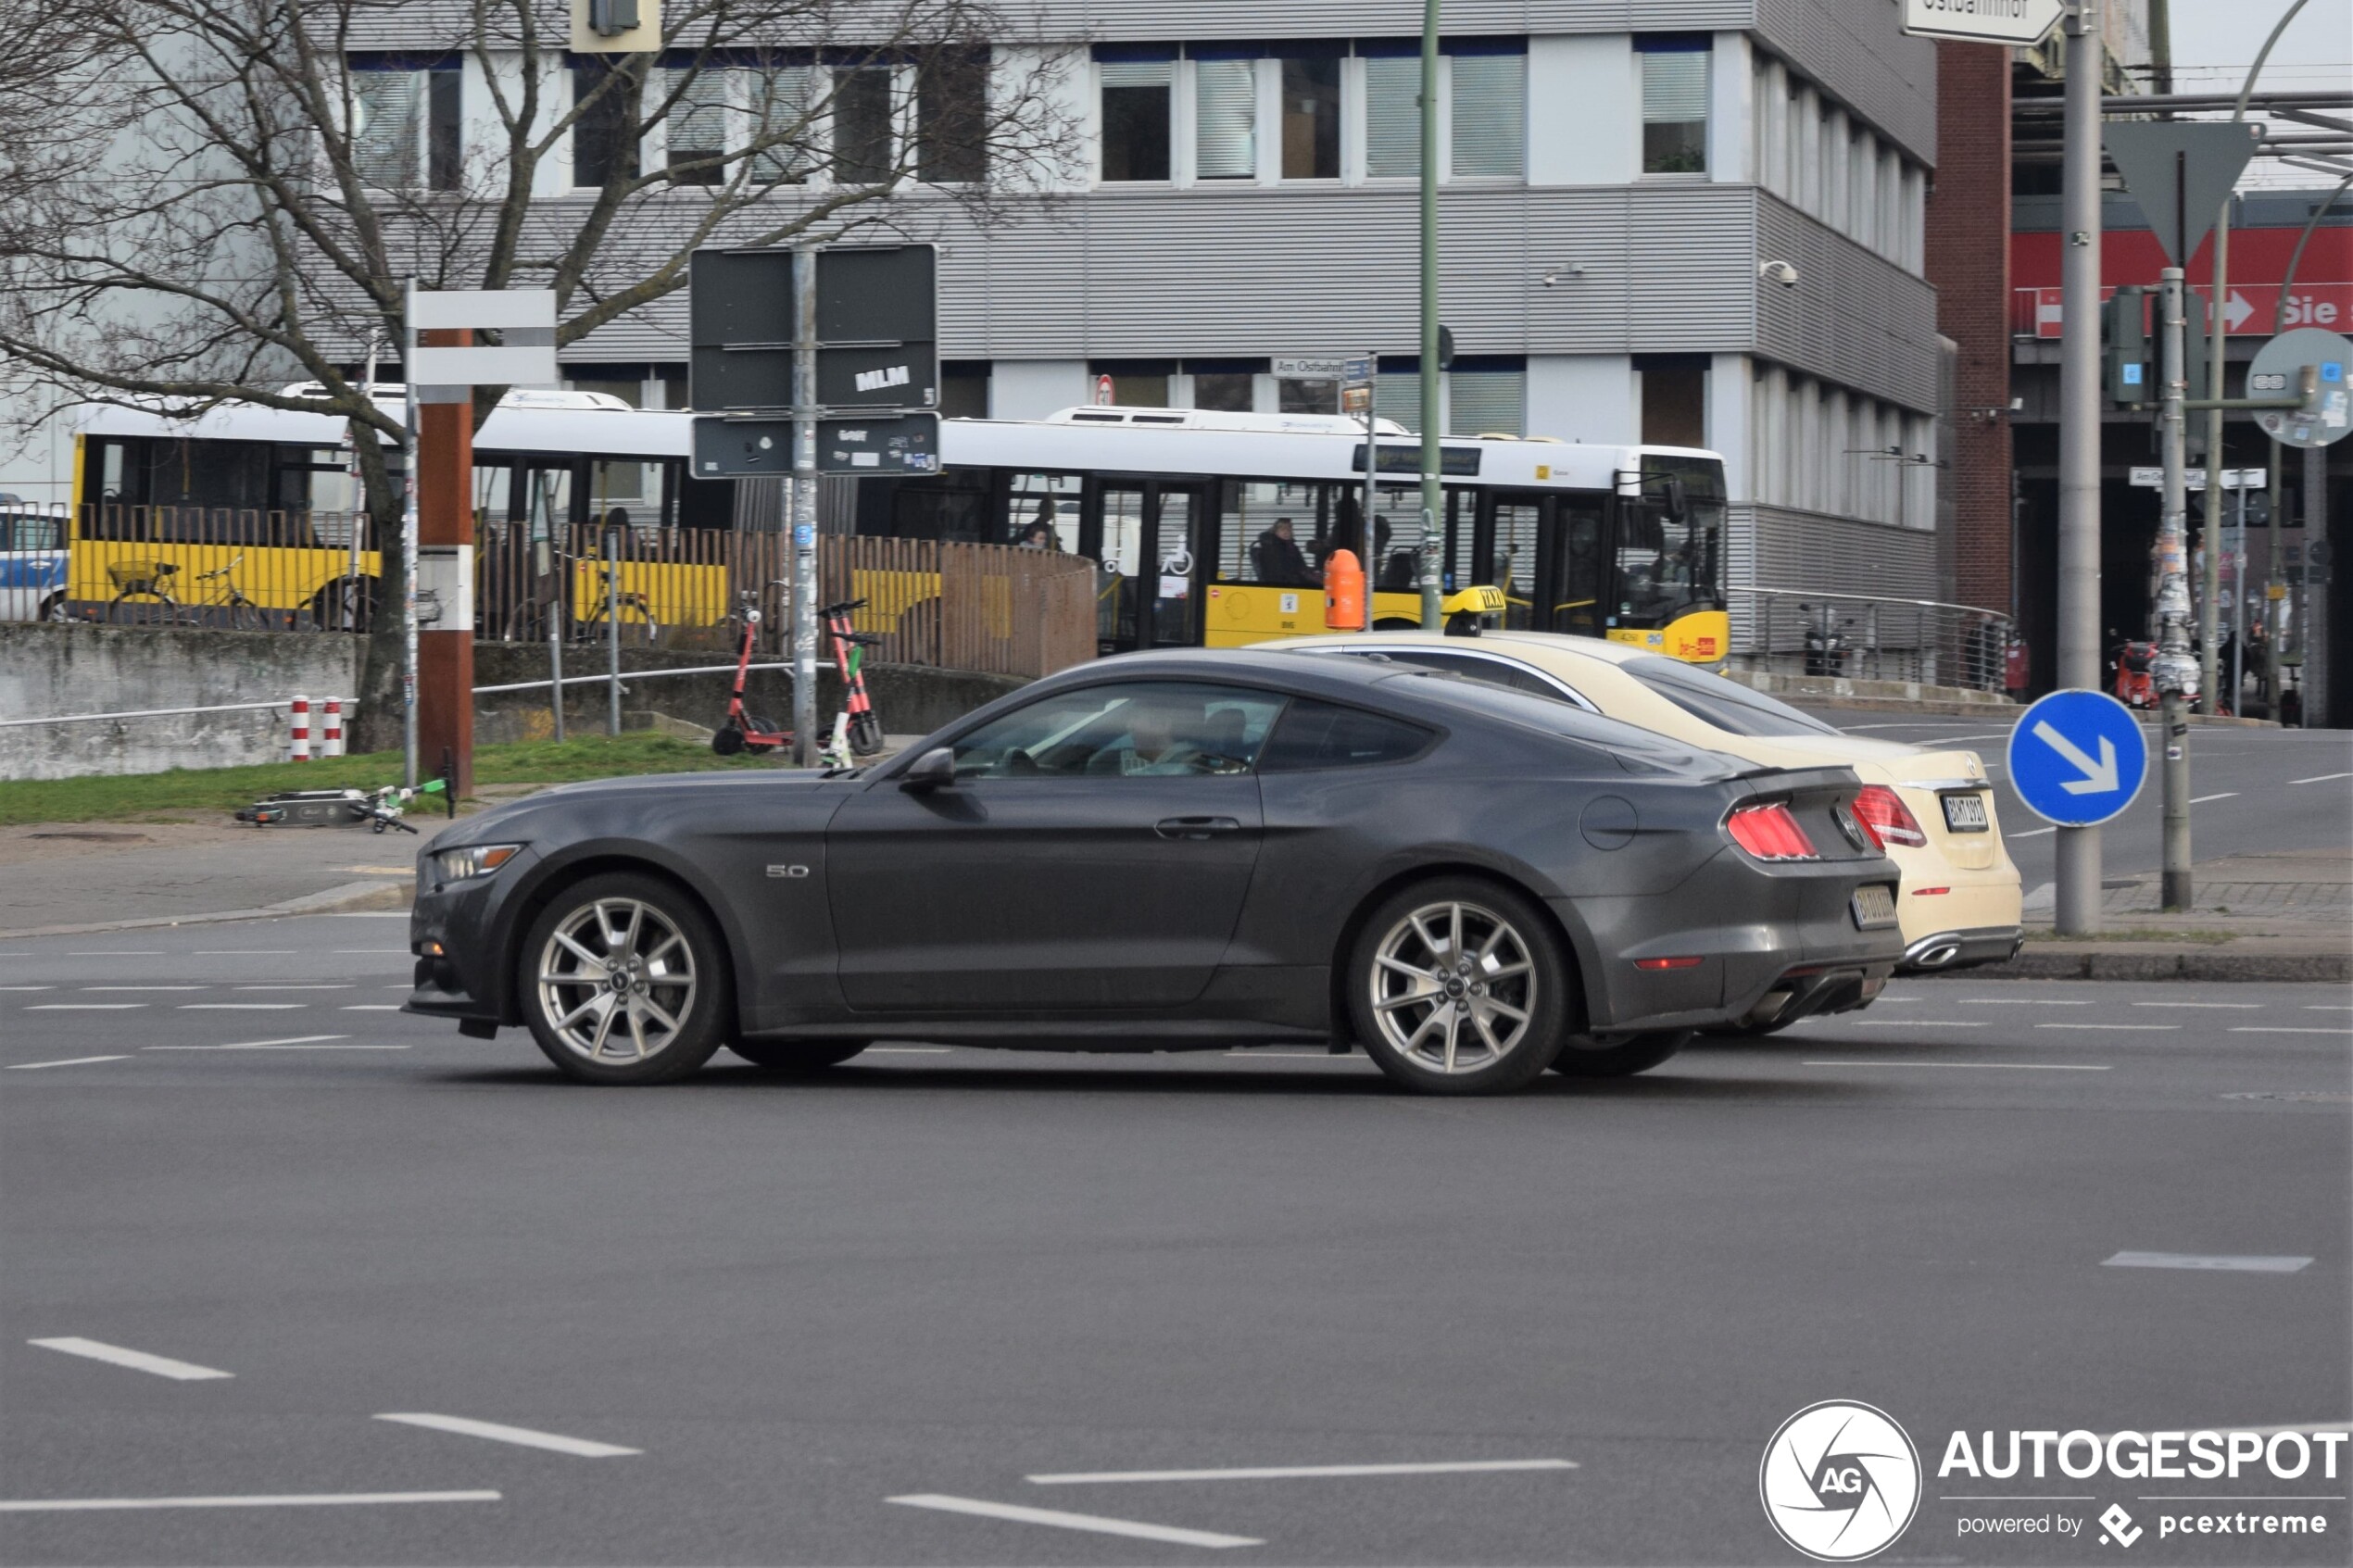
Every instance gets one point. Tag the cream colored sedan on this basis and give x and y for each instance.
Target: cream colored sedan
(1932, 812)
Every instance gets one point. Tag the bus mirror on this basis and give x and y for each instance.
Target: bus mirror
(1678, 504)
(932, 769)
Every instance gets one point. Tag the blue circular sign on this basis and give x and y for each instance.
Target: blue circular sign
(2078, 758)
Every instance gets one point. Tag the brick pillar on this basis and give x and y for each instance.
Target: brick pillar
(1968, 261)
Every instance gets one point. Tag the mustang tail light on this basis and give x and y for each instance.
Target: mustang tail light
(1887, 818)
(1770, 833)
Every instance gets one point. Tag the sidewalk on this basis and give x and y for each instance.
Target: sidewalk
(2282, 916)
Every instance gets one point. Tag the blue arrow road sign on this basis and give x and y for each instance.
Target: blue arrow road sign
(2078, 758)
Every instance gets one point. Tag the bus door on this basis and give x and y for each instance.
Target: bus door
(1551, 559)
(1151, 536)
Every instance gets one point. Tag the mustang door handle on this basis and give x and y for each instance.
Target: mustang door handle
(1195, 827)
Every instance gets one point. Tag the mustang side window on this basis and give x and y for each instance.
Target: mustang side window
(1156, 729)
(1324, 735)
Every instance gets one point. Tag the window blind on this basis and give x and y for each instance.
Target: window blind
(1392, 118)
(1398, 396)
(1135, 73)
(779, 105)
(696, 124)
(1674, 88)
(1480, 402)
(384, 134)
(1490, 113)
(1227, 96)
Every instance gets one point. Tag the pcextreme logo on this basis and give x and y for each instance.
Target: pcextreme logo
(1841, 1481)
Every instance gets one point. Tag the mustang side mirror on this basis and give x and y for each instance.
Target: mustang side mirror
(932, 769)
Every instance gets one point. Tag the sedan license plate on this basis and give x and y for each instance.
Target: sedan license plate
(1965, 813)
(1874, 907)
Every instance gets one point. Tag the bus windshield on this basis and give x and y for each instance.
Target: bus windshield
(1667, 566)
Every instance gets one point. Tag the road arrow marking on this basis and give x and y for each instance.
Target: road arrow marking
(2099, 778)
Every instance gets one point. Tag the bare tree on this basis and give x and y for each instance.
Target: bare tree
(212, 200)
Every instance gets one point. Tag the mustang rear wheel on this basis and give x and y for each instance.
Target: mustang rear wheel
(797, 1056)
(623, 981)
(1457, 987)
(1618, 1056)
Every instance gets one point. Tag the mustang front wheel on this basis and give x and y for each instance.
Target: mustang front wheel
(623, 981)
(1458, 987)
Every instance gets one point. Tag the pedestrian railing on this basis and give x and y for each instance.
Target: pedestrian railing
(1794, 632)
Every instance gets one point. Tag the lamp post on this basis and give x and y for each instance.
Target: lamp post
(1433, 544)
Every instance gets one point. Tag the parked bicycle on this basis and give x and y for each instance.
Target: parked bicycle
(142, 598)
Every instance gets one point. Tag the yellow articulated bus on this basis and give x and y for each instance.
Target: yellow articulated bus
(1210, 529)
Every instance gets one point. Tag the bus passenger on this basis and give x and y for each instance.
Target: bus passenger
(1276, 559)
(1036, 537)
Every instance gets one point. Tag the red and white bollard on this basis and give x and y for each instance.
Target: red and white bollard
(330, 733)
(300, 737)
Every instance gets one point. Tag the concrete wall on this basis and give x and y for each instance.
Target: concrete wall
(49, 670)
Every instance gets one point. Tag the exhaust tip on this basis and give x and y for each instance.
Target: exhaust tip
(1938, 956)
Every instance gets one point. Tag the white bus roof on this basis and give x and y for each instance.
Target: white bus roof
(1141, 441)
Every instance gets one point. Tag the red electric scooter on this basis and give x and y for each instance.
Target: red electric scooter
(745, 731)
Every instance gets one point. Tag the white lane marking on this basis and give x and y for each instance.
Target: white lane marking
(137, 1361)
(1289, 1472)
(2203, 1260)
(240, 1007)
(2202, 800)
(2321, 778)
(374, 953)
(245, 952)
(27, 987)
(2136, 1028)
(120, 953)
(2032, 833)
(906, 1050)
(1308, 1056)
(2284, 1029)
(2021, 1002)
(84, 1006)
(252, 1045)
(283, 1500)
(71, 1062)
(1919, 1023)
(1060, 1520)
(2325, 1007)
(2235, 1007)
(374, 1007)
(273, 1047)
(290, 988)
(523, 1437)
(97, 988)
(2006, 1066)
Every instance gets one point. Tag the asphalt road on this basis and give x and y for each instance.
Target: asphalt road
(944, 1275)
(2252, 791)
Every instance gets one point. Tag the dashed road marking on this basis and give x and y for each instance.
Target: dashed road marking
(70, 1061)
(240, 1007)
(1062, 1521)
(91, 990)
(2205, 1261)
(2006, 1066)
(522, 1437)
(2202, 800)
(2321, 778)
(1919, 1022)
(2286, 1029)
(283, 1499)
(2033, 833)
(2023, 1003)
(373, 1007)
(120, 953)
(137, 1361)
(84, 1006)
(289, 1041)
(27, 987)
(2233, 1007)
(290, 988)
(2131, 1028)
(1304, 1472)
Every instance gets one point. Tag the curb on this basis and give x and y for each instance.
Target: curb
(348, 897)
(2064, 963)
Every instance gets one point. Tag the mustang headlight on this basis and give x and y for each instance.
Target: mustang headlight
(474, 860)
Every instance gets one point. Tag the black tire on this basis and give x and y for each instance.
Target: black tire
(795, 1056)
(142, 610)
(348, 604)
(53, 609)
(865, 734)
(1477, 986)
(1618, 1056)
(591, 912)
(726, 740)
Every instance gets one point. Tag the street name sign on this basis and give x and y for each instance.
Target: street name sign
(2018, 23)
(2078, 758)
(2147, 477)
(2277, 372)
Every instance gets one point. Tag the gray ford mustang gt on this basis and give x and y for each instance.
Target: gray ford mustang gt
(1170, 851)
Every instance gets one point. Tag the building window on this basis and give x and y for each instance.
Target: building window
(951, 117)
(1393, 117)
(1295, 396)
(1491, 114)
(1397, 392)
(1487, 397)
(695, 126)
(1674, 400)
(963, 390)
(406, 121)
(777, 119)
(862, 126)
(1226, 118)
(1674, 102)
(1311, 119)
(1135, 383)
(603, 147)
(1225, 392)
(1135, 109)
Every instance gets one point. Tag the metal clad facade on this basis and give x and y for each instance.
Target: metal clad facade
(1867, 323)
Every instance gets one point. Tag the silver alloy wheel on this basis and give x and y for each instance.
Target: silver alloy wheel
(1454, 987)
(616, 981)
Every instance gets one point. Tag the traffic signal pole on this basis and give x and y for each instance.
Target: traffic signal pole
(2174, 671)
(804, 509)
(2078, 863)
